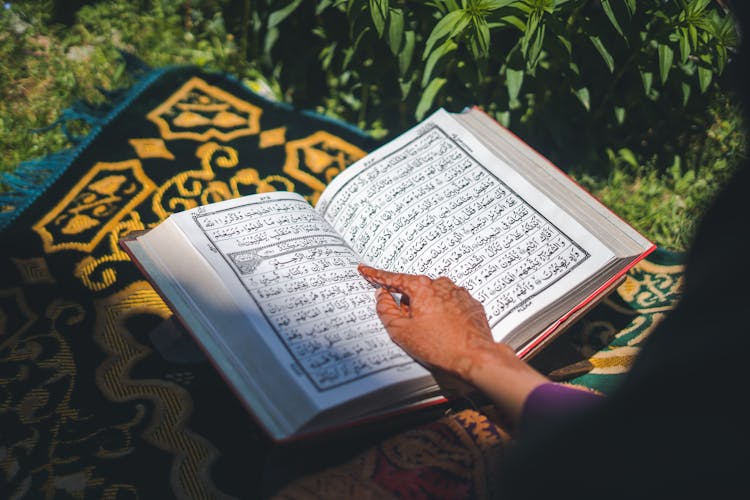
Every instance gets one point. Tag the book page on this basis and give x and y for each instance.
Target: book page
(295, 277)
(436, 202)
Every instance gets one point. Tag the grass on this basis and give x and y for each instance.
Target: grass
(666, 204)
(46, 66)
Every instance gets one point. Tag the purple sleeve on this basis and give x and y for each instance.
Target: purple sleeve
(549, 402)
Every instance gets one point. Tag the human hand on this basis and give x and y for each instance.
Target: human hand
(441, 325)
(437, 322)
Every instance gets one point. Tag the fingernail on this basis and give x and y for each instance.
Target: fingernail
(365, 270)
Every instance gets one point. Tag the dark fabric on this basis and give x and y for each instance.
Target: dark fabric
(552, 401)
(678, 425)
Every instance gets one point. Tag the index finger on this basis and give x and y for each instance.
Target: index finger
(409, 284)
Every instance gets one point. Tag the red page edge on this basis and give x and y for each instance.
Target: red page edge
(540, 338)
(551, 329)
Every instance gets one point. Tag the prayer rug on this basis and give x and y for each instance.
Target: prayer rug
(104, 396)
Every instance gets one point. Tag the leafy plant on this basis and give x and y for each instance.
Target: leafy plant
(631, 98)
(667, 204)
(573, 77)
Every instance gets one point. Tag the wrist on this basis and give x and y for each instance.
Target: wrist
(475, 360)
(506, 379)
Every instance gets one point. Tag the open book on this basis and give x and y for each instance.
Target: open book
(268, 284)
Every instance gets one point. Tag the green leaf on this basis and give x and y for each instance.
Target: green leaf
(628, 157)
(582, 93)
(724, 30)
(444, 6)
(611, 16)
(447, 47)
(503, 118)
(535, 49)
(704, 78)
(482, 36)
(525, 6)
(721, 58)
(513, 80)
(666, 56)
(620, 115)
(530, 30)
(684, 45)
(406, 53)
(277, 16)
(705, 74)
(406, 86)
(379, 14)
(271, 36)
(533, 39)
(322, 6)
(326, 55)
(647, 78)
(491, 5)
(350, 51)
(428, 97)
(631, 5)
(348, 54)
(360, 36)
(547, 5)
(357, 13)
(599, 46)
(697, 6)
(693, 33)
(395, 30)
(565, 43)
(451, 24)
(514, 21)
(685, 89)
(119, 72)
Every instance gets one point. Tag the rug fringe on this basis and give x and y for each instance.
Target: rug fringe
(69, 115)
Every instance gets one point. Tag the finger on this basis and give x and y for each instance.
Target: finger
(386, 307)
(445, 281)
(399, 282)
(404, 305)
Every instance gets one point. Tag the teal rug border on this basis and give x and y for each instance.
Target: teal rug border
(665, 257)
